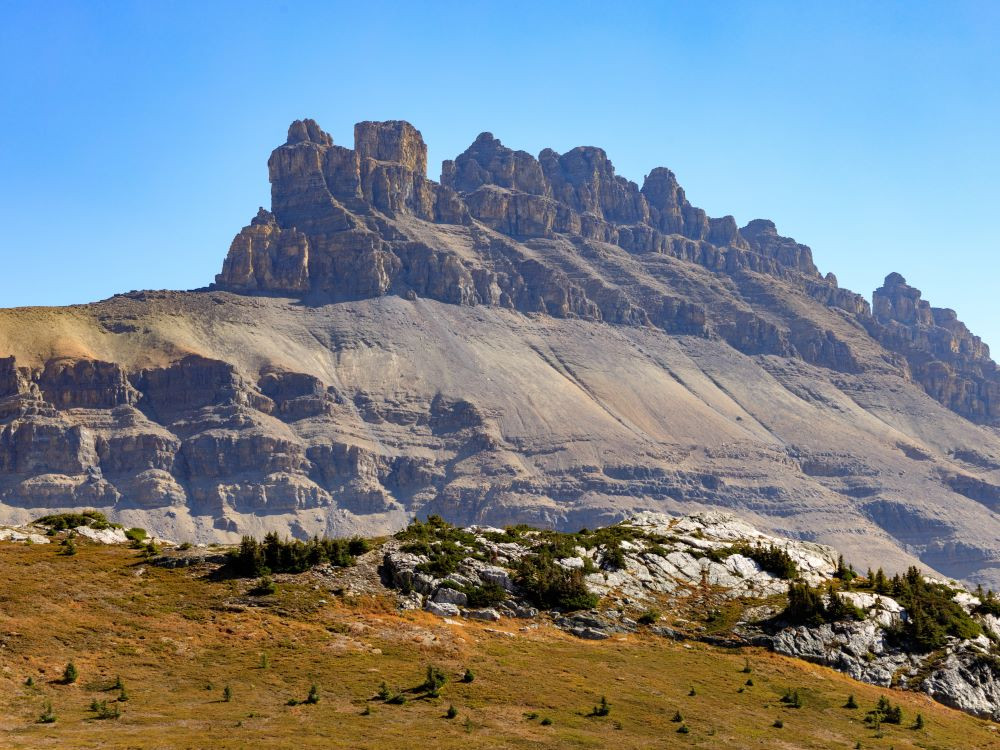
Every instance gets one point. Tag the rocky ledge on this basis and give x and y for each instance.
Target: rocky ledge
(711, 568)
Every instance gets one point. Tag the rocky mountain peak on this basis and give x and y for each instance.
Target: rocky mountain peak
(762, 236)
(896, 300)
(488, 162)
(307, 130)
(392, 141)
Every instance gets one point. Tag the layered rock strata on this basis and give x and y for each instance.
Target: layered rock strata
(531, 339)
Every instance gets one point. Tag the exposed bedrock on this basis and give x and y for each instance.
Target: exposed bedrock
(534, 338)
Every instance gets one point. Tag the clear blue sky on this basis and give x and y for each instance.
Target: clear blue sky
(134, 136)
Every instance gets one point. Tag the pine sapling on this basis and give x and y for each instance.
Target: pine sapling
(47, 716)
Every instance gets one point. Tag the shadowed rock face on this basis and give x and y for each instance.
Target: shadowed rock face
(531, 339)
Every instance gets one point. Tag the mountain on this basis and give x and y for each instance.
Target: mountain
(531, 340)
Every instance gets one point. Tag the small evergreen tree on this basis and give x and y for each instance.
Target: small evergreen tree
(433, 681)
(919, 722)
(47, 716)
(70, 674)
(602, 709)
(227, 694)
(677, 717)
(451, 713)
(313, 696)
(468, 676)
(851, 703)
(881, 585)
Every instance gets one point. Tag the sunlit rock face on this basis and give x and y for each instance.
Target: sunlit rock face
(533, 338)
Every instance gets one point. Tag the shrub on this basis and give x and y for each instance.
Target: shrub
(614, 556)
(70, 674)
(550, 585)
(265, 587)
(933, 614)
(791, 698)
(272, 555)
(844, 572)
(806, 606)
(227, 694)
(63, 521)
(851, 703)
(772, 559)
(692, 692)
(488, 595)
(778, 724)
(649, 617)
(356, 546)
(445, 545)
(396, 700)
(433, 681)
(546, 722)
(68, 547)
(451, 713)
(884, 713)
(383, 692)
(989, 604)
(677, 717)
(313, 696)
(104, 710)
(184, 546)
(47, 716)
(468, 676)
(601, 709)
(136, 535)
(683, 729)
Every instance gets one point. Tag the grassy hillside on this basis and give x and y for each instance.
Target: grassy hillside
(177, 639)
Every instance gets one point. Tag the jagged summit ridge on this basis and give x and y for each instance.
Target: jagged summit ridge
(531, 234)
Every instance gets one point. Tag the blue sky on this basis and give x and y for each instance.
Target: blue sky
(135, 135)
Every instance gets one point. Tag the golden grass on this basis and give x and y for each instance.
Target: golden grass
(176, 640)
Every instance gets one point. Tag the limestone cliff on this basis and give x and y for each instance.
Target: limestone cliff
(531, 339)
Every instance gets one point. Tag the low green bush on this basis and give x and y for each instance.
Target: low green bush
(272, 555)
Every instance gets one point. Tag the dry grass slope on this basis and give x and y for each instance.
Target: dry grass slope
(178, 639)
